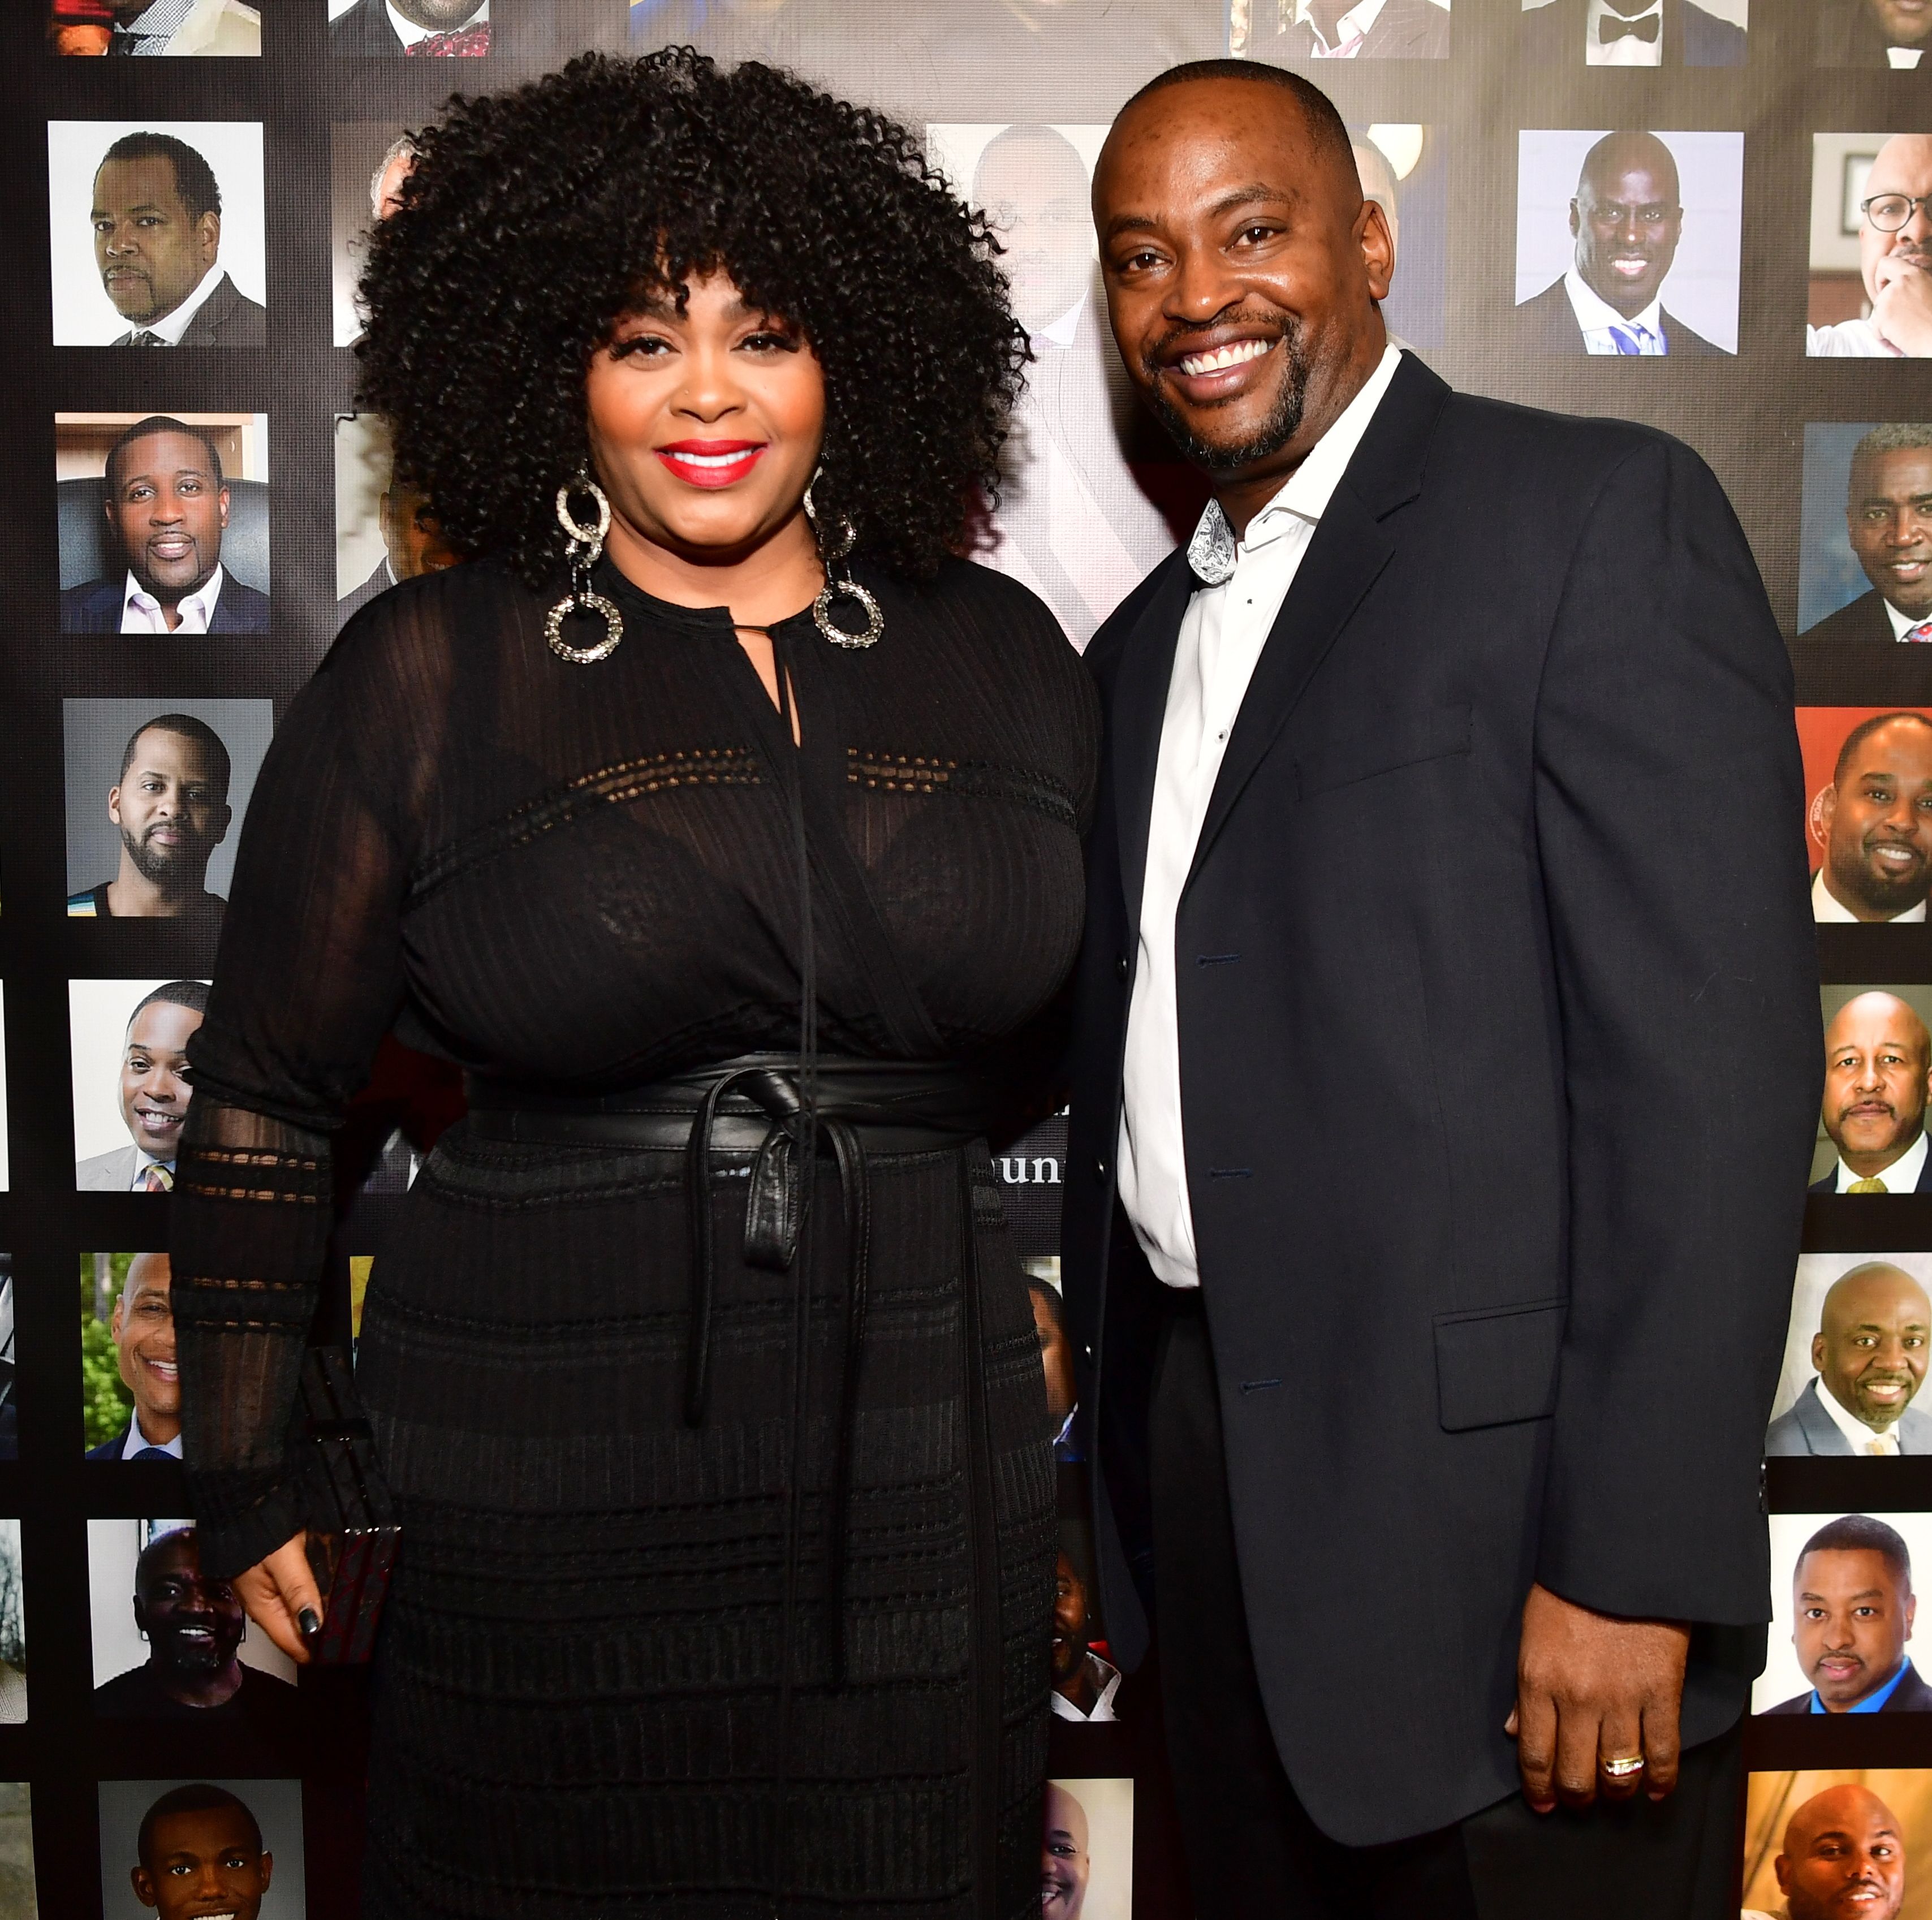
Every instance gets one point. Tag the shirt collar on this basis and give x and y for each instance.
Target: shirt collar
(137, 1439)
(1827, 910)
(172, 326)
(1901, 1177)
(1594, 314)
(1598, 8)
(408, 33)
(1872, 1702)
(201, 600)
(1354, 24)
(1858, 1435)
(1304, 495)
(1902, 624)
(1062, 332)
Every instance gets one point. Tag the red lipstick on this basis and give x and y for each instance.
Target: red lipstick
(711, 464)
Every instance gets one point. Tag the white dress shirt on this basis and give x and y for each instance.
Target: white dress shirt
(141, 612)
(1858, 1436)
(1597, 317)
(137, 1440)
(1222, 636)
(1351, 30)
(1901, 1177)
(171, 326)
(1627, 50)
(1902, 624)
(1848, 340)
(1827, 911)
(1106, 1678)
(408, 33)
(1904, 56)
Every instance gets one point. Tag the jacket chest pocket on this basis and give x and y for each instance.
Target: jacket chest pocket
(1403, 739)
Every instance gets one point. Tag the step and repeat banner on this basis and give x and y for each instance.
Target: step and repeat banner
(1710, 217)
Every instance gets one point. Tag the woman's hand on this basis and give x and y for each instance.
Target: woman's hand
(277, 1591)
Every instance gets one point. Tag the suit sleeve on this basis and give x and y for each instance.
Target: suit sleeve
(1668, 815)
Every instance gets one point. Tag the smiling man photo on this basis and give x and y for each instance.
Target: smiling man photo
(1843, 1858)
(152, 1093)
(1416, 836)
(170, 806)
(201, 1856)
(1869, 1351)
(1876, 819)
(143, 1330)
(1889, 526)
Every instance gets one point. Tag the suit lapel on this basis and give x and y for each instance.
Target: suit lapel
(1138, 707)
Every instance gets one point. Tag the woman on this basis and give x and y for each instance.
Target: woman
(741, 885)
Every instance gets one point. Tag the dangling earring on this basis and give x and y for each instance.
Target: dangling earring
(586, 546)
(831, 551)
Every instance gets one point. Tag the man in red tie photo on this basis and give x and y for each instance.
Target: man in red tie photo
(1889, 521)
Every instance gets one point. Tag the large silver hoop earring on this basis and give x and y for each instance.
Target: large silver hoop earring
(832, 547)
(586, 547)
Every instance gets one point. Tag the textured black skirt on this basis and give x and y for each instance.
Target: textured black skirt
(608, 1682)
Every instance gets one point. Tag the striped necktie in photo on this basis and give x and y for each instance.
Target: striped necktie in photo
(156, 1179)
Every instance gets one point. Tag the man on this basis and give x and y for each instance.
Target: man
(1073, 522)
(1367, 30)
(201, 1855)
(193, 1625)
(1843, 1858)
(385, 183)
(1631, 33)
(203, 28)
(167, 504)
(1392, 862)
(153, 1093)
(1870, 1352)
(1627, 220)
(171, 806)
(142, 1329)
(1889, 523)
(1064, 1865)
(1056, 1358)
(1878, 1056)
(157, 242)
(1874, 33)
(382, 29)
(1852, 1612)
(1083, 1684)
(1876, 816)
(413, 543)
(1895, 260)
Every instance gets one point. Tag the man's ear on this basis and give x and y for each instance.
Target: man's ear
(144, 1886)
(208, 231)
(1378, 245)
(221, 501)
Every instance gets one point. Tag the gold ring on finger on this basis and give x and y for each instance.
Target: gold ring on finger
(1622, 1769)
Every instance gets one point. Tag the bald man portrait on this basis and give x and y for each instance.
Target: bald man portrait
(1894, 261)
(1626, 218)
(1844, 1854)
(1852, 1610)
(1877, 1058)
(1870, 1352)
(1876, 819)
(1064, 1865)
(1889, 524)
(1413, 834)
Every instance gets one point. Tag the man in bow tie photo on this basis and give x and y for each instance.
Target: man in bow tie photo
(1630, 33)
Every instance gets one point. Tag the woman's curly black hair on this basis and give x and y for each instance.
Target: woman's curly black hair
(534, 219)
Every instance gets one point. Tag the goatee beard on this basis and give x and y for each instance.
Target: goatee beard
(1856, 881)
(167, 871)
(1283, 424)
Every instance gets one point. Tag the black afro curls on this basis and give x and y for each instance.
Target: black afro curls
(535, 219)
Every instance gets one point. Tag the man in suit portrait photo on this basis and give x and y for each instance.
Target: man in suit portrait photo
(157, 221)
(1851, 1612)
(201, 28)
(413, 545)
(1876, 819)
(1631, 33)
(152, 1094)
(142, 1328)
(1894, 261)
(1889, 524)
(1870, 1354)
(1877, 1058)
(167, 508)
(1366, 30)
(199, 1851)
(1083, 1684)
(1626, 218)
(384, 29)
(1395, 799)
(1892, 33)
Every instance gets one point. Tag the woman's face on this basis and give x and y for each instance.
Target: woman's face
(705, 425)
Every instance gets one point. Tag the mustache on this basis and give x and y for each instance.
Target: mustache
(1158, 354)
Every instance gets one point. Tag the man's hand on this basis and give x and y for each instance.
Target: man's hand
(1902, 308)
(1591, 1687)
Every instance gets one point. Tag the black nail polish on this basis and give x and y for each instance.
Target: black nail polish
(310, 1621)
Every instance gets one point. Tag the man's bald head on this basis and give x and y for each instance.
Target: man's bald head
(1327, 131)
(1902, 165)
(1627, 220)
(1871, 1344)
(1843, 1853)
(1064, 1865)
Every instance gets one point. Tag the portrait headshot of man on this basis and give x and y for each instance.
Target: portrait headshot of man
(1877, 1057)
(152, 1094)
(166, 503)
(1056, 1359)
(1869, 296)
(169, 806)
(383, 29)
(1843, 1855)
(385, 531)
(1404, 169)
(1866, 554)
(1626, 222)
(203, 29)
(141, 1328)
(1065, 1863)
(1869, 1352)
(1873, 823)
(1084, 1683)
(199, 1852)
(1881, 34)
(1632, 33)
(1851, 1613)
(369, 161)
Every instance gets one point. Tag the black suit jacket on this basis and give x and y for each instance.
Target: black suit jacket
(364, 32)
(1498, 1022)
(110, 1450)
(1404, 30)
(1548, 325)
(1911, 1695)
(1553, 35)
(95, 606)
(1860, 622)
(227, 318)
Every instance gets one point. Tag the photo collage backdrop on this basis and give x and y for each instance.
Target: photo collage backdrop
(1578, 182)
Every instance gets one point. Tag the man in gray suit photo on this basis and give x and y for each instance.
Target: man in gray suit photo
(152, 1093)
(1870, 1354)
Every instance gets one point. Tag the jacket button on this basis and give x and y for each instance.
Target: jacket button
(1100, 1172)
(1121, 967)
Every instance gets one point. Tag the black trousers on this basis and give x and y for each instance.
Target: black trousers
(1251, 1848)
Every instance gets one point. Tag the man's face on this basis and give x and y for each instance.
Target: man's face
(1850, 1621)
(1063, 1865)
(1877, 818)
(1903, 22)
(151, 252)
(1903, 165)
(154, 1076)
(1875, 1077)
(389, 187)
(1870, 1351)
(1034, 189)
(413, 535)
(142, 1329)
(171, 809)
(1888, 519)
(1056, 1355)
(194, 1622)
(1069, 1622)
(165, 512)
(1843, 1859)
(1627, 221)
(204, 1864)
(1241, 265)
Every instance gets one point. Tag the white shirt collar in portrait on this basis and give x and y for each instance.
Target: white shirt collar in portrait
(137, 1440)
(1903, 57)
(172, 326)
(1858, 1436)
(1063, 331)
(1597, 317)
(1901, 1177)
(408, 33)
(1827, 910)
(1848, 340)
(1902, 624)
(141, 612)
(1106, 1678)
(1628, 49)
(1238, 594)
(142, 1162)
(1351, 30)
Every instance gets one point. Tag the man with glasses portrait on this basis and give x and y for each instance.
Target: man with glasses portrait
(1895, 259)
